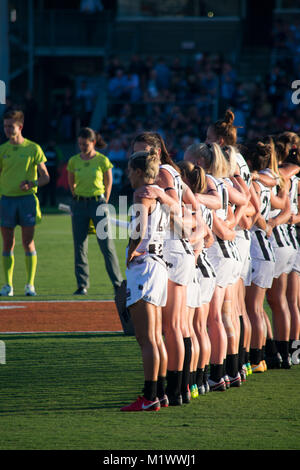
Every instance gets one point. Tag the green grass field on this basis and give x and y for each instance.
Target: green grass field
(64, 391)
(55, 277)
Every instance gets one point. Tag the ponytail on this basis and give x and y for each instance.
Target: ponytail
(224, 128)
(93, 136)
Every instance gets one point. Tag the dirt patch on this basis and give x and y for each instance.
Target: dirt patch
(86, 316)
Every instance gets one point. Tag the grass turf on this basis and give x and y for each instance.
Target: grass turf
(55, 278)
(64, 392)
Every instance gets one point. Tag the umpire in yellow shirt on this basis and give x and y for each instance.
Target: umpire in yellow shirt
(90, 182)
(21, 162)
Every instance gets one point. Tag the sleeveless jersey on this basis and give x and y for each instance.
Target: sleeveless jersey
(203, 262)
(157, 223)
(293, 196)
(261, 247)
(244, 169)
(173, 241)
(279, 237)
(222, 248)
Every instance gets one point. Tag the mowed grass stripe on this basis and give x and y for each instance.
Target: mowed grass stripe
(65, 392)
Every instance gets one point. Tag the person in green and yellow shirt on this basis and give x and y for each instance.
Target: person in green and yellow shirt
(22, 170)
(90, 181)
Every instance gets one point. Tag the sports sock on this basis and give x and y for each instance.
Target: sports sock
(8, 267)
(199, 377)
(150, 390)
(161, 386)
(232, 364)
(255, 355)
(247, 357)
(31, 263)
(174, 380)
(241, 342)
(271, 349)
(206, 373)
(283, 348)
(186, 364)
(216, 372)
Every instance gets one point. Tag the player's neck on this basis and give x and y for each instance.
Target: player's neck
(17, 140)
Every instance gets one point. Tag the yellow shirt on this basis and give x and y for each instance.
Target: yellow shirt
(19, 163)
(89, 174)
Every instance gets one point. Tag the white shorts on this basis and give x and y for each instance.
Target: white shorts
(147, 279)
(180, 267)
(208, 285)
(193, 292)
(262, 273)
(284, 260)
(243, 245)
(296, 265)
(224, 268)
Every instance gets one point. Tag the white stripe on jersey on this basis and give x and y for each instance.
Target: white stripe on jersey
(293, 194)
(157, 223)
(261, 247)
(244, 169)
(222, 248)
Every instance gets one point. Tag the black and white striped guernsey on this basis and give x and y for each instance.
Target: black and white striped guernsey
(261, 247)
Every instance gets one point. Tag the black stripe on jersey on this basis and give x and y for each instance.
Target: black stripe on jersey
(261, 242)
(247, 234)
(205, 266)
(291, 236)
(223, 248)
(277, 237)
(186, 247)
(284, 234)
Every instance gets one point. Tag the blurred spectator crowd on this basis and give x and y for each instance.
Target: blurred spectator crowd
(179, 98)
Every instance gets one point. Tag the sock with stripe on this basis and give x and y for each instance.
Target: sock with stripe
(8, 267)
(31, 263)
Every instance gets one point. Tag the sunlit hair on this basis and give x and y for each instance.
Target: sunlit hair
(258, 154)
(224, 128)
(155, 140)
(288, 147)
(214, 159)
(15, 114)
(92, 136)
(230, 155)
(148, 162)
(273, 164)
(194, 176)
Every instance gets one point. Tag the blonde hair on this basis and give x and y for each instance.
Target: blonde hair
(273, 164)
(148, 162)
(215, 162)
(195, 176)
(230, 155)
(288, 147)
